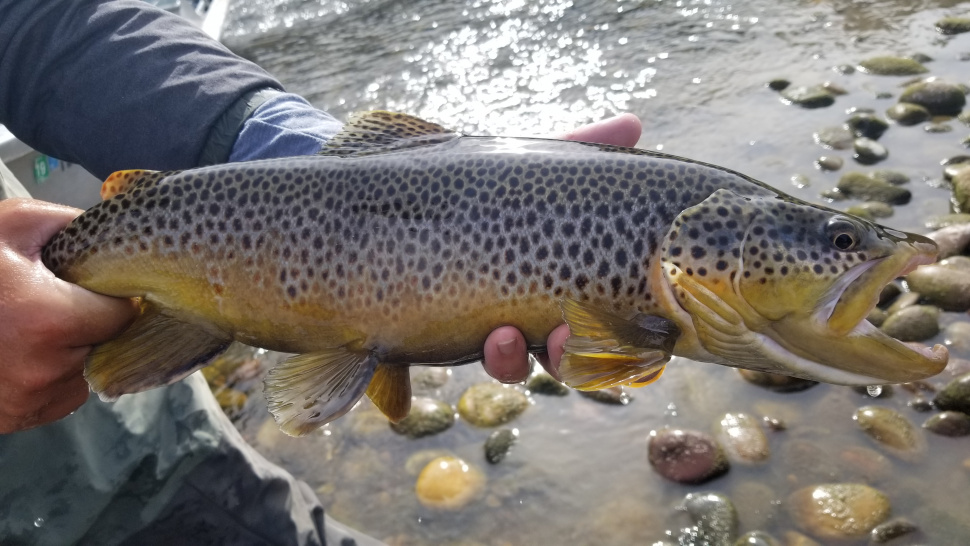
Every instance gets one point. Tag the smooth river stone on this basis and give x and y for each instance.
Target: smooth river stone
(743, 439)
(449, 483)
(891, 430)
(838, 511)
(491, 404)
(686, 456)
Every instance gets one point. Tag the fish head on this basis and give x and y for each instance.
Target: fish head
(785, 287)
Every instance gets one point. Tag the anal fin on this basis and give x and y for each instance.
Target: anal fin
(390, 390)
(308, 391)
(605, 350)
(157, 349)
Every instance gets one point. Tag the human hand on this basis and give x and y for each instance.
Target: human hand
(506, 357)
(47, 326)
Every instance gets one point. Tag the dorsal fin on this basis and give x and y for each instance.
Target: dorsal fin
(382, 131)
(122, 181)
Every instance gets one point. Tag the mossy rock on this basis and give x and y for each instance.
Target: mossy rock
(940, 98)
(953, 25)
(892, 66)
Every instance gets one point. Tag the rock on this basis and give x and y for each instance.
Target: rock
(964, 118)
(921, 58)
(867, 125)
(939, 97)
(778, 84)
(889, 176)
(907, 114)
(614, 396)
(416, 462)
(829, 163)
(808, 97)
(860, 186)
(543, 383)
(891, 430)
(230, 400)
(742, 438)
(955, 395)
(866, 463)
(800, 181)
(686, 456)
(491, 404)
(949, 423)
(913, 323)
(871, 210)
(892, 529)
(776, 382)
(714, 516)
(906, 299)
(938, 127)
(838, 511)
(953, 25)
(961, 190)
(868, 151)
(427, 379)
(957, 336)
(449, 483)
(834, 88)
(951, 240)
(920, 404)
(499, 443)
(945, 287)
(947, 220)
(892, 66)
(757, 538)
(889, 292)
(427, 417)
(845, 69)
(835, 137)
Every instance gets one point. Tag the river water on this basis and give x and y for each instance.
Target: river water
(695, 73)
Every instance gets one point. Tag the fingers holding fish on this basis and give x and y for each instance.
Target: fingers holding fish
(621, 130)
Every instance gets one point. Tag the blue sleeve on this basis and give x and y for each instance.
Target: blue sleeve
(115, 84)
(285, 125)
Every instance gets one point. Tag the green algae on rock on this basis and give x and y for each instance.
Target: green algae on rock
(892, 66)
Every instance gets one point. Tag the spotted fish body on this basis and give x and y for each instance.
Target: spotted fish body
(404, 243)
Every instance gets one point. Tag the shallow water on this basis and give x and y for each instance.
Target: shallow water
(694, 71)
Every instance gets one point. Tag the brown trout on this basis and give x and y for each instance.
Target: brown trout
(404, 243)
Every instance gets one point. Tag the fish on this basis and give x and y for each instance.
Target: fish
(404, 243)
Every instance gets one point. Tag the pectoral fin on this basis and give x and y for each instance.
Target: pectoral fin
(605, 350)
(157, 349)
(308, 391)
(390, 390)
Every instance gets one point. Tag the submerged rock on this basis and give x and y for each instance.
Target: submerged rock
(427, 417)
(543, 383)
(449, 483)
(491, 404)
(776, 382)
(838, 511)
(955, 395)
(892, 529)
(614, 396)
(957, 336)
(913, 323)
(860, 186)
(949, 423)
(946, 287)
(868, 151)
(867, 125)
(829, 162)
(961, 190)
(947, 220)
(815, 96)
(778, 84)
(866, 463)
(714, 516)
(953, 25)
(743, 439)
(939, 97)
(892, 66)
(871, 210)
(890, 176)
(835, 137)
(686, 456)
(907, 114)
(891, 430)
(499, 443)
(757, 538)
(426, 379)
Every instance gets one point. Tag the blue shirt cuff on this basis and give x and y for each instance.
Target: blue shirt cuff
(284, 126)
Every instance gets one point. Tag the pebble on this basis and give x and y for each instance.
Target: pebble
(891, 430)
(426, 379)
(776, 382)
(892, 529)
(499, 443)
(416, 462)
(904, 300)
(835, 137)
(889, 176)
(491, 404)
(947, 220)
(757, 538)
(892, 66)
(920, 404)
(949, 423)
(838, 511)
(449, 483)
(543, 383)
(868, 151)
(867, 125)
(742, 438)
(866, 463)
(946, 287)
(778, 84)
(808, 97)
(871, 210)
(913, 323)
(951, 240)
(890, 292)
(230, 400)
(614, 396)
(957, 336)
(941, 98)
(955, 395)
(427, 417)
(860, 186)
(845, 69)
(829, 162)
(714, 516)
(937, 128)
(907, 114)
(686, 456)
(961, 190)
(953, 25)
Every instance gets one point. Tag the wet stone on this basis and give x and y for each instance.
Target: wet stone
(543, 383)
(949, 423)
(946, 287)
(936, 128)
(829, 162)
(714, 516)
(742, 438)
(499, 443)
(920, 404)
(892, 66)
(427, 417)
(491, 404)
(613, 396)
(838, 511)
(808, 97)
(834, 88)
(907, 114)
(891, 430)
(953, 170)
(686, 456)
(892, 529)
(867, 125)
(845, 69)
(860, 186)
(449, 483)
(939, 97)
(800, 181)
(774, 424)
(890, 176)
(776, 382)
(904, 300)
(957, 336)
(955, 395)
(952, 240)
(757, 538)
(953, 25)
(426, 379)
(778, 84)
(914, 323)
(890, 292)
(921, 58)
(835, 137)
(230, 400)
(868, 151)
(964, 118)
(871, 210)
(961, 190)
(865, 463)
(947, 220)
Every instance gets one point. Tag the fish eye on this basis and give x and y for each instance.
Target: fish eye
(843, 233)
